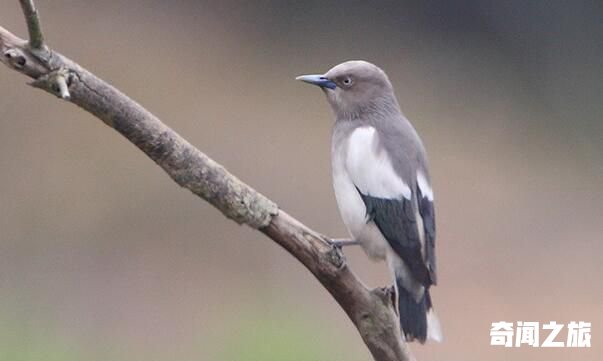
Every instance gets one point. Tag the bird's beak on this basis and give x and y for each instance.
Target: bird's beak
(319, 80)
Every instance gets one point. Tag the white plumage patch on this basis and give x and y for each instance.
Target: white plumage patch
(434, 330)
(371, 169)
(424, 186)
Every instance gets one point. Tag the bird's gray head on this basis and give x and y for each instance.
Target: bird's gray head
(355, 88)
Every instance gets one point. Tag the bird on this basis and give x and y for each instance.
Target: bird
(382, 186)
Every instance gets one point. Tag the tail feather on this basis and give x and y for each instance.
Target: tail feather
(434, 331)
(417, 319)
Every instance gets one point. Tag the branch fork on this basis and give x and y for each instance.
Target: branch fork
(33, 58)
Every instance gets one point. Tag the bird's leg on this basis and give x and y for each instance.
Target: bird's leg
(342, 242)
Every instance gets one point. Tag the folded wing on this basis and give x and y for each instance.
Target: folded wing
(402, 209)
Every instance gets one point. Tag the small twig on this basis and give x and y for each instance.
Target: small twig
(55, 81)
(36, 38)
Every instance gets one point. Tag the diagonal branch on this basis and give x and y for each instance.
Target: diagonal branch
(371, 311)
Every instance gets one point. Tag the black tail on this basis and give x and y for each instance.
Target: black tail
(413, 314)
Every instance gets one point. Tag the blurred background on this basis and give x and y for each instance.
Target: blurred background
(103, 257)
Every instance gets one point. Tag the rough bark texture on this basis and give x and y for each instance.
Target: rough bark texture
(371, 311)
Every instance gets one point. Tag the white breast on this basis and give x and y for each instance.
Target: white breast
(352, 170)
(370, 168)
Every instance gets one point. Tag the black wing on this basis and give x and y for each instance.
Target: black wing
(396, 219)
(427, 212)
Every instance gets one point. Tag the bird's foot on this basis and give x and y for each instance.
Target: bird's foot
(343, 242)
(387, 295)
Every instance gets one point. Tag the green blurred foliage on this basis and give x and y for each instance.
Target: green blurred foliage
(20, 341)
(280, 335)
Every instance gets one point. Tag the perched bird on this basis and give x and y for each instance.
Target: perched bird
(382, 185)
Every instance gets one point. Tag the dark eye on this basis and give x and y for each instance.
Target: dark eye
(347, 81)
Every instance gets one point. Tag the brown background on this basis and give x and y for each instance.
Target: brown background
(102, 257)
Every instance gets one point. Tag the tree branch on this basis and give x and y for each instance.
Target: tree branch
(36, 38)
(371, 311)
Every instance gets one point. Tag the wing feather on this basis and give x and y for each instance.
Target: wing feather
(393, 205)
